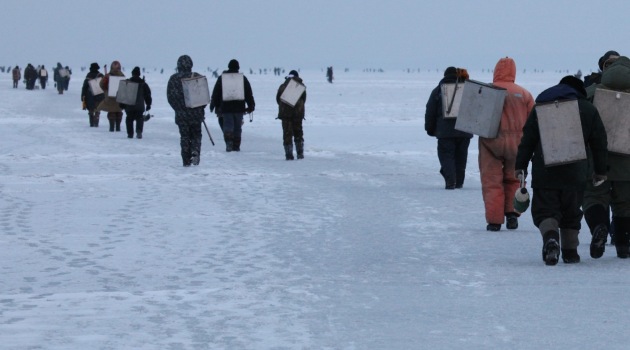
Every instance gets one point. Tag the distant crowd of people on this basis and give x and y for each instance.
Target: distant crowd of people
(32, 75)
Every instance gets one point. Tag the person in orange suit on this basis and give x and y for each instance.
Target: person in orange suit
(498, 155)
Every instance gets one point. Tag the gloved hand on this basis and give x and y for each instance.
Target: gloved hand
(249, 110)
(599, 179)
(148, 108)
(520, 174)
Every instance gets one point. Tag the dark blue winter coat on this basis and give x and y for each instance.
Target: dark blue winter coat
(571, 176)
(91, 101)
(434, 122)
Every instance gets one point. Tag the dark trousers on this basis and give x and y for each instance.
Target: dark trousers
(134, 116)
(190, 141)
(453, 156)
(561, 205)
(292, 131)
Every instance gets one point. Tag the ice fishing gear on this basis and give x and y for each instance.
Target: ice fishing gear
(521, 197)
(208, 131)
(146, 117)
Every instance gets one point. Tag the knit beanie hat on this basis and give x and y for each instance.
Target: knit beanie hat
(450, 71)
(607, 55)
(135, 72)
(233, 65)
(575, 83)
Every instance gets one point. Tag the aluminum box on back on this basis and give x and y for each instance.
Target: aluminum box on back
(113, 83)
(614, 109)
(292, 92)
(480, 109)
(451, 98)
(233, 86)
(95, 86)
(196, 91)
(127, 92)
(561, 132)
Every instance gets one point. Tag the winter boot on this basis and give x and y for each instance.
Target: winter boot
(288, 152)
(111, 126)
(570, 256)
(551, 247)
(511, 221)
(117, 125)
(229, 142)
(194, 158)
(186, 157)
(598, 241)
(299, 147)
(493, 227)
(236, 144)
(622, 237)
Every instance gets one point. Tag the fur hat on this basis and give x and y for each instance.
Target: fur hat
(450, 71)
(115, 66)
(608, 55)
(94, 66)
(575, 83)
(233, 65)
(135, 72)
(294, 73)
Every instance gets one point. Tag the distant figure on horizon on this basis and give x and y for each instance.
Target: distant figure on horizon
(329, 74)
(30, 75)
(43, 76)
(59, 75)
(17, 75)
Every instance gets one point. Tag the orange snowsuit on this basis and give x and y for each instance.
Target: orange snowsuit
(497, 156)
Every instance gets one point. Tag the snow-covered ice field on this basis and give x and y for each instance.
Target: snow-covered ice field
(109, 243)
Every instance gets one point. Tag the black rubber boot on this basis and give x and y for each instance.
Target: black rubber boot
(551, 247)
(236, 144)
(299, 147)
(622, 236)
(288, 152)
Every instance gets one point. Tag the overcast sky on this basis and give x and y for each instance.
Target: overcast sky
(538, 34)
